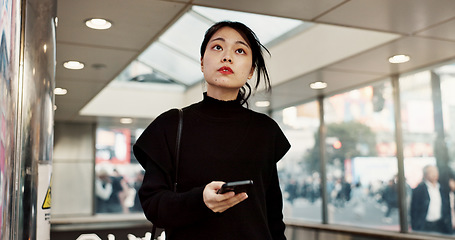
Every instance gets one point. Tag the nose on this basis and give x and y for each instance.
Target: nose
(227, 59)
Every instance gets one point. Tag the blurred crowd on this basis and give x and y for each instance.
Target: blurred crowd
(431, 204)
(115, 194)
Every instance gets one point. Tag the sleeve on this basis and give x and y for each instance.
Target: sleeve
(274, 195)
(417, 208)
(162, 206)
(275, 208)
(153, 144)
(168, 209)
(282, 144)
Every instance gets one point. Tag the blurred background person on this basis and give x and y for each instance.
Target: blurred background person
(103, 191)
(136, 185)
(452, 198)
(390, 198)
(292, 190)
(116, 203)
(358, 198)
(430, 207)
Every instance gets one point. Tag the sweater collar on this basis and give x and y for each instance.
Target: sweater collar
(218, 108)
(220, 103)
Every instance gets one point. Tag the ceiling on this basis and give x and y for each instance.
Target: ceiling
(423, 29)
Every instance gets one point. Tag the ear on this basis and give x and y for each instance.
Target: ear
(202, 64)
(251, 73)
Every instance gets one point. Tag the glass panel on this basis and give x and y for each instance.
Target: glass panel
(186, 35)
(447, 78)
(299, 169)
(417, 124)
(133, 70)
(361, 162)
(266, 28)
(140, 72)
(172, 63)
(118, 174)
(428, 107)
(176, 54)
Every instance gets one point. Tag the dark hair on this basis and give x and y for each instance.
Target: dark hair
(451, 175)
(256, 48)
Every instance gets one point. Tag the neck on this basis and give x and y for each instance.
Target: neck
(223, 95)
(432, 182)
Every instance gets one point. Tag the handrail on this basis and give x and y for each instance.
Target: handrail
(374, 233)
(138, 220)
(105, 221)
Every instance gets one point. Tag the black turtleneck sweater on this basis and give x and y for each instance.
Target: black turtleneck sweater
(221, 141)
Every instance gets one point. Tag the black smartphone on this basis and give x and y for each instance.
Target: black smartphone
(237, 187)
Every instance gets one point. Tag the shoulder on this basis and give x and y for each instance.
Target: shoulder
(167, 116)
(160, 125)
(267, 127)
(164, 120)
(155, 137)
(421, 188)
(263, 119)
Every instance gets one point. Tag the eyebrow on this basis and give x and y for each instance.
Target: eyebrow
(223, 40)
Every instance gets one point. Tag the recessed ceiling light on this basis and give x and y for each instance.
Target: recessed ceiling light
(75, 65)
(126, 120)
(401, 58)
(60, 91)
(98, 23)
(98, 66)
(318, 85)
(262, 103)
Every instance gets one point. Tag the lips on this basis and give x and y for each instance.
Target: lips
(225, 70)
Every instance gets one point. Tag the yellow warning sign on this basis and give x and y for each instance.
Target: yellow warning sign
(47, 199)
(43, 199)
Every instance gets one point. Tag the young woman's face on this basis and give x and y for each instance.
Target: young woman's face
(227, 62)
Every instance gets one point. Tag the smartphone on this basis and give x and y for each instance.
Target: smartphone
(237, 187)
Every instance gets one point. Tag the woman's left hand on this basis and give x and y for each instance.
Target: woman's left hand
(220, 202)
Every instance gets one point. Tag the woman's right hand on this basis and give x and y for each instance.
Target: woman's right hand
(220, 202)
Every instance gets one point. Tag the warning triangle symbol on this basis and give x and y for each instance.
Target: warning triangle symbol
(47, 199)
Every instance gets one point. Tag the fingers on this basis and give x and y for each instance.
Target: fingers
(228, 202)
(221, 202)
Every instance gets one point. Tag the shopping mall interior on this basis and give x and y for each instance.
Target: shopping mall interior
(361, 89)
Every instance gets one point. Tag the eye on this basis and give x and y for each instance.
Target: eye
(240, 51)
(217, 47)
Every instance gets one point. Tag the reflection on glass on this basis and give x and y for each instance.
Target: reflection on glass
(266, 27)
(189, 44)
(299, 169)
(428, 104)
(360, 153)
(447, 79)
(169, 61)
(175, 55)
(118, 174)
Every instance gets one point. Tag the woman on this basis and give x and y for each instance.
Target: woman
(221, 142)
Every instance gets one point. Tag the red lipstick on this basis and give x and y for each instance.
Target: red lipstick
(225, 70)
